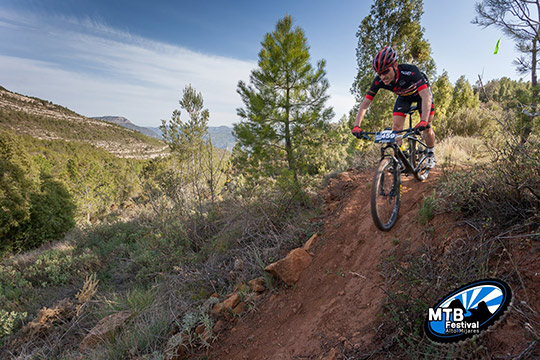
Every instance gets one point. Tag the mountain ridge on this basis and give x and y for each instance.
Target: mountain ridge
(122, 121)
(222, 136)
(43, 120)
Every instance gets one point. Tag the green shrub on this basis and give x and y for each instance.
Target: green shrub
(480, 121)
(14, 288)
(8, 320)
(36, 208)
(61, 266)
(51, 214)
(427, 209)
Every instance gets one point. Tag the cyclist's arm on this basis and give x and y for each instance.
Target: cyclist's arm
(362, 111)
(425, 94)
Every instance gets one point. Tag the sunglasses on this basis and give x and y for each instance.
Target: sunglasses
(384, 72)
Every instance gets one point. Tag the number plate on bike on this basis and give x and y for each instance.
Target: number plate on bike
(386, 136)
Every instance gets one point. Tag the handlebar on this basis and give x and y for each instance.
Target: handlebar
(365, 134)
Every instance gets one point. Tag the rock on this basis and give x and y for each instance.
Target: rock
(335, 193)
(104, 329)
(240, 308)
(289, 269)
(217, 309)
(200, 329)
(257, 285)
(203, 332)
(310, 244)
(231, 302)
(175, 349)
(344, 176)
(220, 325)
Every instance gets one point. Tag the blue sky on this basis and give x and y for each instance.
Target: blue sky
(134, 58)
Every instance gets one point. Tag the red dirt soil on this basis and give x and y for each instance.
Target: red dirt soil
(338, 298)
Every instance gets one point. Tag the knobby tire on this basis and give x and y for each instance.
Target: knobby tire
(386, 194)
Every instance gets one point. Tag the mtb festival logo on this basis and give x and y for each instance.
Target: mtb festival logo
(467, 311)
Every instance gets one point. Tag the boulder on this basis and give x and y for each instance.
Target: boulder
(104, 329)
(289, 269)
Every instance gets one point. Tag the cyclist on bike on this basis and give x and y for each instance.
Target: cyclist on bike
(411, 86)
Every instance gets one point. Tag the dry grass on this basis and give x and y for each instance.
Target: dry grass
(462, 150)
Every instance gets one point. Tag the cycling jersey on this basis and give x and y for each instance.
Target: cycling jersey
(408, 83)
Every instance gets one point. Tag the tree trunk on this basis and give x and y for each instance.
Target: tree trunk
(527, 127)
(288, 140)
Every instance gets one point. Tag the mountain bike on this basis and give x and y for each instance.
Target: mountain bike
(395, 160)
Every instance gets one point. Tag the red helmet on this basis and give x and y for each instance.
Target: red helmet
(384, 59)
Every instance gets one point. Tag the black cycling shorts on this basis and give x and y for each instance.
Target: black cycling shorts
(404, 103)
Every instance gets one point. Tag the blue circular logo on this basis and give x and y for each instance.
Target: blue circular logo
(467, 311)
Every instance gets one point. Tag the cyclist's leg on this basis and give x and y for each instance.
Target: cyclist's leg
(401, 108)
(428, 134)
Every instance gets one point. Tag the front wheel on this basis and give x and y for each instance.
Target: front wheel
(386, 194)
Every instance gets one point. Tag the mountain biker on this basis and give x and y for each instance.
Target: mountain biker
(411, 86)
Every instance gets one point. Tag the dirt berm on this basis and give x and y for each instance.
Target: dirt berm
(338, 297)
(335, 310)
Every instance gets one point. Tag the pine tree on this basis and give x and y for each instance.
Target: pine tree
(519, 20)
(284, 112)
(198, 166)
(186, 137)
(443, 91)
(463, 96)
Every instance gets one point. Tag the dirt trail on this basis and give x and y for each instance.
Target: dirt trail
(338, 297)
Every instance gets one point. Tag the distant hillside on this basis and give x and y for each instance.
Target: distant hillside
(44, 120)
(222, 136)
(122, 121)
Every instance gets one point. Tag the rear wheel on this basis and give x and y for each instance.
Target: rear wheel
(418, 160)
(386, 194)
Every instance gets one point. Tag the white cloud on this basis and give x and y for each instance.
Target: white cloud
(96, 70)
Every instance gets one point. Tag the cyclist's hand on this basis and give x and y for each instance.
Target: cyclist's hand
(357, 131)
(421, 126)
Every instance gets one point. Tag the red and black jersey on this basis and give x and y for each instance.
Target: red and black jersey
(409, 82)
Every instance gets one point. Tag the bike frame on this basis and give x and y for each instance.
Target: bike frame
(398, 153)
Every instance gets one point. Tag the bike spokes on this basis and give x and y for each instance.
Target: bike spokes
(386, 194)
(419, 161)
